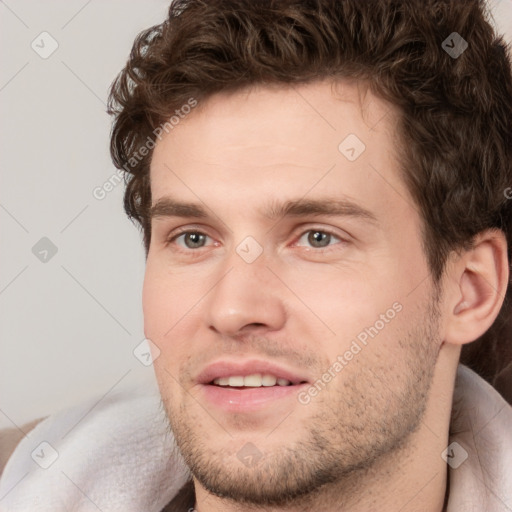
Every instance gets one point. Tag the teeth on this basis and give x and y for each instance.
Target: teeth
(236, 381)
(268, 380)
(253, 381)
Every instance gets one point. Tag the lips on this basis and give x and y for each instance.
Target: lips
(225, 369)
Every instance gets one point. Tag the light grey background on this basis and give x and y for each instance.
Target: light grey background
(69, 326)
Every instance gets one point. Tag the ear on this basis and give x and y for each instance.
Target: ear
(476, 284)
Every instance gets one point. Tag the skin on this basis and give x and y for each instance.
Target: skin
(373, 437)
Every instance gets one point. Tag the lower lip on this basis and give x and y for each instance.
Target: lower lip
(249, 399)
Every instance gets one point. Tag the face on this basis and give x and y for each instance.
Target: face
(285, 246)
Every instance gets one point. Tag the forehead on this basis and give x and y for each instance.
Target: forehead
(270, 143)
(278, 116)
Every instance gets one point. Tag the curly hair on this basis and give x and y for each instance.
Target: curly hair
(455, 111)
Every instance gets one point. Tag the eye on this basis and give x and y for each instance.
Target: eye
(318, 238)
(190, 239)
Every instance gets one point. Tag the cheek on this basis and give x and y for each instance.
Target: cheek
(341, 299)
(340, 306)
(152, 299)
(170, 318)
(160, 302)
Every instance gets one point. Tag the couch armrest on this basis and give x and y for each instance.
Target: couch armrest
(9, 439)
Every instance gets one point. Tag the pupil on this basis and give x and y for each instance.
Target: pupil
(319, 239)
(194, 240)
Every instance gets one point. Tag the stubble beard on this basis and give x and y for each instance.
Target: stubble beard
(362, 418)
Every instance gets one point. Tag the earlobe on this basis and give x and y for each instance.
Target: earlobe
(479, 282)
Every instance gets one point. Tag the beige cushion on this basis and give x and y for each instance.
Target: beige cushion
(9, 439)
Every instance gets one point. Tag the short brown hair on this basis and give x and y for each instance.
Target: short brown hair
(455, 110)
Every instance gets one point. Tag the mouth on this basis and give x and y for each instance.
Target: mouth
(250, 374)
(252, 399)
(255, 380)
(249, 386)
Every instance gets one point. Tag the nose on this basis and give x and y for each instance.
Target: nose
(247, 297)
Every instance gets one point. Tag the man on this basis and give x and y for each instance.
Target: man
(322, 192)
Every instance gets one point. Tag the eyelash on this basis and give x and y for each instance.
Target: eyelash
(172, 238)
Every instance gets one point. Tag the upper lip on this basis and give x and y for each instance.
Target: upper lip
(250, 367)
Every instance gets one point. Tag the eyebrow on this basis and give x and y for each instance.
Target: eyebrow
(168, 207)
